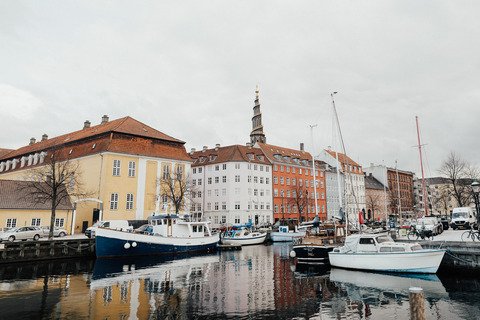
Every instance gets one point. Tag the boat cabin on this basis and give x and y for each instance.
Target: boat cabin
(175, 226)
(377, 243)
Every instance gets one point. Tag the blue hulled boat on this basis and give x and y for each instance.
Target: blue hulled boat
(166, 234)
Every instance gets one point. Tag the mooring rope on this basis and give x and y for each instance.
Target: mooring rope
(453, 255)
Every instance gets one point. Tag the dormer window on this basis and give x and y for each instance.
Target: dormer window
(213, 157)
(202, 159)
(260, 157)
(251, 156)
(277, 156)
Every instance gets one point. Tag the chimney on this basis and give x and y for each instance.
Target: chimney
(86, 124)
(44, 137)
(205, 148)
(249, 145)
(192, 151)
(32, 141)
(329, 148)
(104, 119)
(302, 146)
(217, 146)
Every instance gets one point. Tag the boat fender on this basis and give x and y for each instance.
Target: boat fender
(293, 254)
(134, 244)
(126, 245)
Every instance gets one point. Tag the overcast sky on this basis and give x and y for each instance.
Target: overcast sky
(190, 68)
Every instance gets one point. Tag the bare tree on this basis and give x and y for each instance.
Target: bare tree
(442, 200)
(454, 169)
(176, 189)
(299, 199)
(373, 203)
(61, 181)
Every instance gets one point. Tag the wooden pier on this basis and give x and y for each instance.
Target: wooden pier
(46, 250)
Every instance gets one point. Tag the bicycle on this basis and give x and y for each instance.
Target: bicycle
(414, 234)
(471, 234)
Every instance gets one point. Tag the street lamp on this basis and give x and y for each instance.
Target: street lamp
(476, 190)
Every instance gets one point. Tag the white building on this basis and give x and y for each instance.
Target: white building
(335, 191)
(354, 182)
(232, 185)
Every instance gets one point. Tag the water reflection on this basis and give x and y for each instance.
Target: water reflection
(255, 282)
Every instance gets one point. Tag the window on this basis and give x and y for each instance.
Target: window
(210, 180)
(276, 208)
(166, 171)
(237, 205)
(224, 179)
(255, 179)
(131, 168)
(199, 170)
(224, 206)
(11, 222)
(179, 173)
(116, 168)
(114, 201)
(261, 179)
(36, 222)
(281, 180)
(237, 178)
(237, 219)
(237, 165)
(267, 169)
(59, 222)
(194, 170)
(217, 167)
(237, 191)
(217, 179)
(216, 193)
(129, 201)
(275, 180)
(224, 166)
(288, 181)
(199, 182)
(275, 192)
(216, 205)
(288, 169)
(267, 180)
(249, 179)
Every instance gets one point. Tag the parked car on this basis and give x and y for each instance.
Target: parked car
(57, 232)
(21, 233)
(430, 223)
(445, 222)
(111, 224)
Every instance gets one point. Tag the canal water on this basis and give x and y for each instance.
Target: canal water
(257, 282)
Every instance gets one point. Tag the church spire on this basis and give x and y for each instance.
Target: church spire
(257, 134)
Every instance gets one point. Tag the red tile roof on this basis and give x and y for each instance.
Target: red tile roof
(126, 125)
(4, 152)
(287, 155)
(15, 195)
(228, 153)
(343, 160)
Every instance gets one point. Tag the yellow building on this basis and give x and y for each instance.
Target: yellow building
(18, 209)
(120, 163)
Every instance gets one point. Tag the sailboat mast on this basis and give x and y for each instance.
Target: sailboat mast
(314, 171)
(421, 166)
(398, 195)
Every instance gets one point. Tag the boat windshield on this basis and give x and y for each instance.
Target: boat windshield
(384, 239)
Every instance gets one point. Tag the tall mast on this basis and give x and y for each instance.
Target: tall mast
(314, 171)
(398, 195)
(421, 166)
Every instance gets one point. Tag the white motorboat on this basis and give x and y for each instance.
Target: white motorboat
(378, 252)
(242, 237)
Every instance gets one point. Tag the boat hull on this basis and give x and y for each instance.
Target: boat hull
(114, 243)
(285, 236)
(312, 254)
(425, 261)
(244, 241)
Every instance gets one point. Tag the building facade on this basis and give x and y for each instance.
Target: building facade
(232, 185)
(293, 183)
(354, 182)
(120, 163)
(377, 199)
(335, 192)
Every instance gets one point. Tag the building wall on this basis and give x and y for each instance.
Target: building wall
(332, 194)
(24, 217)
(237, 193)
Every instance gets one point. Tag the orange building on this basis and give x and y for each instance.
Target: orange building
(293, 183)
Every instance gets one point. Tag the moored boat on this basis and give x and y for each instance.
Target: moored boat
(242, 237)
(286, 231)
(168, 234)
(314, 247)
(377, 252)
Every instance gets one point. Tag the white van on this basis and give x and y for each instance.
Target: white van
(463, 218)
(111, 224)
